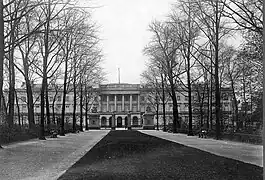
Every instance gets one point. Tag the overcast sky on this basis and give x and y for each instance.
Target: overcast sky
(124, 30)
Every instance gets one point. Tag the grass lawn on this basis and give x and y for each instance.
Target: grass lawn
(133, 155)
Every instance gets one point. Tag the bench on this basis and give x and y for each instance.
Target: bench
(53, 134)
(203, 133)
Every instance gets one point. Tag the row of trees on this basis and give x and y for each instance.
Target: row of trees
(191, 51)
(49, 42)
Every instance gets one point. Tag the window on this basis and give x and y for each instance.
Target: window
(37, 106)
(50, 98)
(104, 98)
(67, 106)
(178, 97)
(23, 98)
(67, 119)
(127, 97)
(225, 96)
(67, 98)
(119, 108)
(142, 98)
(186, 105)
(58, 106)
(59, 98)
(186, 98)
(134, 108)
(24, 106)
(148, 109)
(134, 97)
(135, 120)
(96, 99)
(119, 97)
(111, 98)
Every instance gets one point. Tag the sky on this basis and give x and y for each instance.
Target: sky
(124, 33)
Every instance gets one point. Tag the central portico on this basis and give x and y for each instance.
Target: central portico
(119, 105)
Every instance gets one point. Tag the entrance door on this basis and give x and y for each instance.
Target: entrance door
(119, 122)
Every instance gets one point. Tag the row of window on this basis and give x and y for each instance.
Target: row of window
(51, 98)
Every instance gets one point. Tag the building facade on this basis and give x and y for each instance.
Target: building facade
(119, 105)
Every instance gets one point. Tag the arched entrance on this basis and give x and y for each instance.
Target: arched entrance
(119, 121)
(110, 121)
(103, 121)
(135, 121)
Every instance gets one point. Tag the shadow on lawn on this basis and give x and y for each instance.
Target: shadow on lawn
(133, 155)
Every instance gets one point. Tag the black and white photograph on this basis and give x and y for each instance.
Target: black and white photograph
(131, 90)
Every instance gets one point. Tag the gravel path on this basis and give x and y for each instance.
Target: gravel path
(244, 152)
(36, 159)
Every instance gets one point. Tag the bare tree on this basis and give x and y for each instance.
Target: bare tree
(246, 14)
(165, 44)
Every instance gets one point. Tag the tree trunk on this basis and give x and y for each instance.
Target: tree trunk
(18, 111)
(208, 101)
(64, 98)
(30, 102)
(235, 105)
(163, 102)
(11, 94)
(157, 112)
(86, 116)
(81, 105)
(74, 108)
(44, 78)
(216, 75)
(190, 133)
(47, 109)
(2, 55)
(42, 104)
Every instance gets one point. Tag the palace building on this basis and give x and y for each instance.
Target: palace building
(119, 105)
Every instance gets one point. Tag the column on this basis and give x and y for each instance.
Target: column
(122, 108)
(138, 103)
(115, 102)
(107, 103)
(130, 102)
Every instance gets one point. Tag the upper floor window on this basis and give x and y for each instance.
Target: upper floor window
(111, 97)
(142, 98)
(59, 98)
(178, 97)
(119, 97)
(225, 96)
(126, 98)
(186, 98)
(23, 98)
(67, 98)
(134, 97)
(104, 98)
